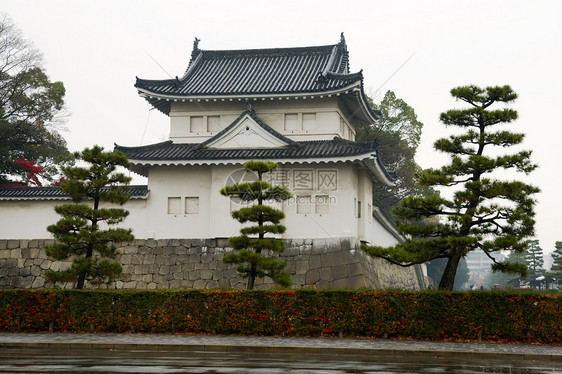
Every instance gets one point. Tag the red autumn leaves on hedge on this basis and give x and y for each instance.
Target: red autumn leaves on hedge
(489, 316)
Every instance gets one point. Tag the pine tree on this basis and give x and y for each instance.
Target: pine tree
(250, 249)
(534, 257)
(556, 268)
(483, 212)
(79, 233)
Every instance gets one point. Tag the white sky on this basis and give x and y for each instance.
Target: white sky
(98, 47)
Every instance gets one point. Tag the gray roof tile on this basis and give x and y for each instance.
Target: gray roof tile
(54, 193)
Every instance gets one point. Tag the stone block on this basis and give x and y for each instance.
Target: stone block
(136, 259)
(222, 242)
(151, 243)
(125, 259)
(128, 269)
(16, 252)
(299, 280)
(126, 277)
(141, 269)
(13, 244)
(3, 244)
(200, 266)
(354, 269)
(168, 250)
(339, 272)
(160, 260)
(39, 282)
(206, 274)
(162, 243)
(147, 278)
(199, 284)
(151, 286)
(180, 250)
(194, 275)
(175, 284)
(141, 285)
(178, 275)
(157, 251)
(46, 264)
(171, 260)
(312, 276)
(184, 283)
(188, 267)
(130, 285)
(326, 274)
(26, 253)
(37, 253)
(301, 267)
(5, 253)
(315, 261)
(357, 281)
(149, 259)
(130, 249)
(56, 266)
(164, 270)
(335, 259)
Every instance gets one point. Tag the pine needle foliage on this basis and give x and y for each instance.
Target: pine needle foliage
(84, 232)
(252, 244)
(484, 212)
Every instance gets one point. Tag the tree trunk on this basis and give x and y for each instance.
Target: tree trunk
(448, 279)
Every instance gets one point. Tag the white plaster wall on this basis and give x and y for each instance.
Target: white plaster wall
(272, 112)
(150, 218)
(28, 219)
(181, 182)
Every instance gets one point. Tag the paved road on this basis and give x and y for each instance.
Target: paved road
(213, 343)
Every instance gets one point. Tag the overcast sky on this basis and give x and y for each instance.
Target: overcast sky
(98, 47)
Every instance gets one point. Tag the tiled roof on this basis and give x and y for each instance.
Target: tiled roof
(258, 72)
(168, 150)
(54, 193)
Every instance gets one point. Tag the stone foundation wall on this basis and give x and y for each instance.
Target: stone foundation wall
(197, 263)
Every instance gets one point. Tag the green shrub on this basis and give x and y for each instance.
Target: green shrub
(434, 315)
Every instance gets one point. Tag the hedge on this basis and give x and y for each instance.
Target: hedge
(433, 315)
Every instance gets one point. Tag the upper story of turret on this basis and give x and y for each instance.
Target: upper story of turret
(304, 93)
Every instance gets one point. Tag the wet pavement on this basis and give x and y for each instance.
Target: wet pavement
(211, 354)
(266, 344)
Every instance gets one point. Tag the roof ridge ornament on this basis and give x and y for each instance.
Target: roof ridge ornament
(196, 49)
(342, 40)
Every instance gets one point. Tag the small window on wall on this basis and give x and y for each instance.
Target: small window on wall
(197, 124)
(213, 123)
(309, 121)
(304, 204)
(174, 205)
(322, 204)
(192, 205)
(359, 209)
(291, 122)
(370, 212)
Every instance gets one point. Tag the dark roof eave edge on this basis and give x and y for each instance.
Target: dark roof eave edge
(146, 93)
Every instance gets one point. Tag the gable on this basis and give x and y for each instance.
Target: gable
(247, 132)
